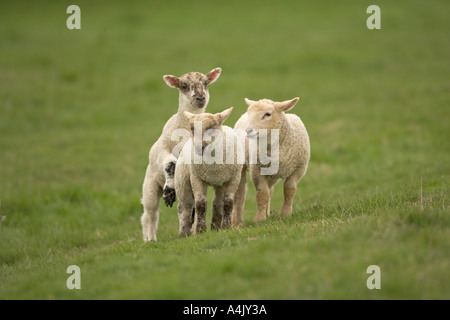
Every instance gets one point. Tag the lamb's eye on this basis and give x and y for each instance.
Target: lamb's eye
(266, 115)
(184, 87)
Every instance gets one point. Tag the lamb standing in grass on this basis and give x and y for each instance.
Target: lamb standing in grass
(159, 177)
(294, 153)
(204, 162)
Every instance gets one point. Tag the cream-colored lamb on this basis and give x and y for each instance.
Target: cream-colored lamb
(289, 150)
(159, 177)
(212, 157)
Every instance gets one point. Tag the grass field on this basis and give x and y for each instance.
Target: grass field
(79, 110)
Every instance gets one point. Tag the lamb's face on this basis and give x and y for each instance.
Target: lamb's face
(206, 128)
(261, 115)
(266, 114)
(193, 87)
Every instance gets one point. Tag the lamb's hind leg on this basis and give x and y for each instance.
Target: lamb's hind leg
(152, 192)
(290, 187)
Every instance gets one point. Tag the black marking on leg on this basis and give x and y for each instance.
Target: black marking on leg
(227, 206)
(169, 196)
(227, 210)
(200, 208)
(216, 222)
(170, 169)
(193, 216)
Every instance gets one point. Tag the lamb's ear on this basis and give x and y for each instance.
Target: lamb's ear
(249, 102)
(222, 116)
(213, 75)
(188, 115)
(287, 105)
(172, 81)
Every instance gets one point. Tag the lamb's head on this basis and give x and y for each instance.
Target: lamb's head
(206, 128)
(266, 114)
(193, 87)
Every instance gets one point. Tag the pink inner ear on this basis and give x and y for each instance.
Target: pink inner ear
(212, 76)
(173, 81)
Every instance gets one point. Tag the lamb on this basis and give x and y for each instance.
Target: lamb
(204, 163)
(159, 177)
(293, 148)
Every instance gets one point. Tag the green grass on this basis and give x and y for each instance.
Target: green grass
(80, 109)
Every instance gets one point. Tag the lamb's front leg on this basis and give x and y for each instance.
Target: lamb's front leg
(228, 199)
(262, 194)
(217, 209)
(169, 195)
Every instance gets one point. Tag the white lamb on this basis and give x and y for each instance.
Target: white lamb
(293, 155)
(207, 161)
(159, 177)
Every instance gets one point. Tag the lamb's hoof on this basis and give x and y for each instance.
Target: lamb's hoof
(169, 196)
(201, 228)
(236, 223)
(184, 233)
(149, 238)
(216, 225)
(285, 214)
(259, 219)
(226, 223)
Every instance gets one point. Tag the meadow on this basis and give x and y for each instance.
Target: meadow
(80, 109)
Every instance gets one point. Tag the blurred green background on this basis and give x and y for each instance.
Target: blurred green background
(79, 110)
